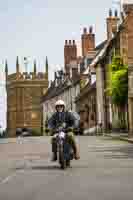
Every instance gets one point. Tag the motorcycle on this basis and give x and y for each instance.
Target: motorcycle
(64, 149)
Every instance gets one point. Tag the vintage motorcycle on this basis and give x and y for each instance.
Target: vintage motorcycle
(64, 149)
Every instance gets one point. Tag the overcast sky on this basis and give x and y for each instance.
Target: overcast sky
(38, 28)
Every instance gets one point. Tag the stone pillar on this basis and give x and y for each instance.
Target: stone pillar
(130, 99)
(130, 116)
(100, 96)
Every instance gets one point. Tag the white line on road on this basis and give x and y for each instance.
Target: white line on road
(8, 178)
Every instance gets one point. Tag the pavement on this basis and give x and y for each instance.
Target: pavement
(120, 136)
(104, 172)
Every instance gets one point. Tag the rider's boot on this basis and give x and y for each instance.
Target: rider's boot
(54, 150)
(54, 156)
(76, 152)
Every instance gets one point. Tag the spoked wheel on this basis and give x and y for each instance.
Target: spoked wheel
(62, 160)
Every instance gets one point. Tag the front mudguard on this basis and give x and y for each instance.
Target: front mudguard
(68, 152)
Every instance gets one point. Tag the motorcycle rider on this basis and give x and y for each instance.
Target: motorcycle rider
(60, 117)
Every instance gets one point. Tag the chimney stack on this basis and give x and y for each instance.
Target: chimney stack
(88, 41)
(70, 53)
(112, 23)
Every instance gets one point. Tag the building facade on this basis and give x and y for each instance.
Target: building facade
(66, 90)
(86, 107)
(119, 43)
(24, 93)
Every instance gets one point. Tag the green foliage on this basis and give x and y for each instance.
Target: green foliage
(82, 83)
(36, 132)
(117, 63)
(118, 88)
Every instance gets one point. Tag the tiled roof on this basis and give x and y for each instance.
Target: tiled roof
(100, 54)
(98, 49)
(101, 45)
(54, 91)
(85, 90)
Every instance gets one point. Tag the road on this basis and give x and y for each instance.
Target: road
(104, 172)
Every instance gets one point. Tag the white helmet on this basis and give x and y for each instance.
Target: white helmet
(60, 103)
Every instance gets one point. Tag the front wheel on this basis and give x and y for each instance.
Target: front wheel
(63, 164)
(62, 161)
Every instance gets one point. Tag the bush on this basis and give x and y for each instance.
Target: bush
(36, 132)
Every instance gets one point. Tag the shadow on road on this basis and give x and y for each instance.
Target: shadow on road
(49, 167)
(55, 167)
(42, 167)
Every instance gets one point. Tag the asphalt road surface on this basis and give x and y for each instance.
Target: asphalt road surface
(104, 172)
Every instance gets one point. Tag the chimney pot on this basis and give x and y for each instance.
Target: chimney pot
(90, 29)
(73, 42)
(85, 30)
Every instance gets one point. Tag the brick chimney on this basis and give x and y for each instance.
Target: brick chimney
(112, 24)
(88, 41)
(70, 53)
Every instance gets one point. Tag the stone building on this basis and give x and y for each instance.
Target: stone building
(101, 64)
(63, 87)
(86, 102)
(128, 35)
(86, 107)
(24, 93)
(119, 42)
(66, 83)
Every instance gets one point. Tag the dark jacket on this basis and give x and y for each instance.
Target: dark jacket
(62, 117)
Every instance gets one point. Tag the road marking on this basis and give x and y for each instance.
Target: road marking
(8, 178)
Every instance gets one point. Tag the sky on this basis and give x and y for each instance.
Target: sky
(38, 28)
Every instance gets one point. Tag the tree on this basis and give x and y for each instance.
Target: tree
(118, 89)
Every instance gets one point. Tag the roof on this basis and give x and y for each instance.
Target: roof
(54, 91)
(100, 54)
(86, 89)
(101, 45)
(99, 49)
